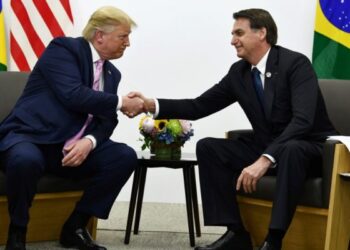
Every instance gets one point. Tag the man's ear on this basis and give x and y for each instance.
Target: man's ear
(263, 33)
(99, 36)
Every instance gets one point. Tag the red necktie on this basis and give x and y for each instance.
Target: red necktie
(95, 86)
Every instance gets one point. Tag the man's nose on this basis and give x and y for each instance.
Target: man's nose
(234, 40)
(127, 42)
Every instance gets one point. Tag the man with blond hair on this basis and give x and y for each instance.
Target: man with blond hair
(62, 123)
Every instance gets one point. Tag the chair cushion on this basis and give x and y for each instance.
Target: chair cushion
(311, 196)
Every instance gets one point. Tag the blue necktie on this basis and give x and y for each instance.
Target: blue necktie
(258, 86)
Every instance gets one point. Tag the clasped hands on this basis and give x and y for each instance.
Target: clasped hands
(135, 103)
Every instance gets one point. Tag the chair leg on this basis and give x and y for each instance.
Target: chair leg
(187, 183)
(140, 199)
(134, 192)
(195, 201)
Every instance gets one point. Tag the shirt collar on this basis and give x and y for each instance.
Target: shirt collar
(95, 56)
(261, 66)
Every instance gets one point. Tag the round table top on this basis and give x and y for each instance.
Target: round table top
(151, 160)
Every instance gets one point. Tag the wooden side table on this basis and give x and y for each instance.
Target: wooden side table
(146, 160)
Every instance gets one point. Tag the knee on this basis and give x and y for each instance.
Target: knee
(204, 145)
(24, 165)
(291, 147)
(126, 157)
(205, 148)
(130, 154)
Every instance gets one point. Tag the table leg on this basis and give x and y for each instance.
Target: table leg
(195, 201)
(134, 192)
(187, 183)
(140, 199)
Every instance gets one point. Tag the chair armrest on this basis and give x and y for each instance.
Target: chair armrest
(327, 169)
(233, 134)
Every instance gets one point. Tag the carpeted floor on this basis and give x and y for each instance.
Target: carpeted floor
(162, 226)
(144, 241)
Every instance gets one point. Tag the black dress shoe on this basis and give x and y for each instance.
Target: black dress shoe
(268, 246)
(16, 240)
(230, 240)
(80, 239)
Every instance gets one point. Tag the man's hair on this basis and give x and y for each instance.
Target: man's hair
(105, 19)
(258, 19)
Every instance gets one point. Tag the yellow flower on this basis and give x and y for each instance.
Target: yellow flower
(160, 124)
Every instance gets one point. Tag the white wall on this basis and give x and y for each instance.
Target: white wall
(181, 48)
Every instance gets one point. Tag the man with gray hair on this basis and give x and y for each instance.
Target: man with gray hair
(62, 123)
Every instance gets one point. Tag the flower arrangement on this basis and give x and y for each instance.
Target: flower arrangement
(164, 132)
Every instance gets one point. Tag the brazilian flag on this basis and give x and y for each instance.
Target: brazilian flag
(331, 51)
(3, 66)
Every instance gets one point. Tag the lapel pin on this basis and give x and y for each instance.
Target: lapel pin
(109, 72)
(268, 74)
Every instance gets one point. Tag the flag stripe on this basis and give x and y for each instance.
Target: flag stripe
(13, 65)
(34, 23)
(48, 17)
(37, 22)
(66, 6)
(3, 57)
(18, 55)
(23, 41)
(61, 16)
(22, 15)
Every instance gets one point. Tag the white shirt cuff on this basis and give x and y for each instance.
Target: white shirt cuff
(120, 103)
(273, 161)
(92, 139)
(156, 112)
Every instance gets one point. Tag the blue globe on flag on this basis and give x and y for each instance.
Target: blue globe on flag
(337, 12)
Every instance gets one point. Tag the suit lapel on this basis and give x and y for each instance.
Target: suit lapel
(271, 80)
(107, 76)
(87, 60)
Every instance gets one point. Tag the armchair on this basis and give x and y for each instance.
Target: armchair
(308, 228)
(56, 197)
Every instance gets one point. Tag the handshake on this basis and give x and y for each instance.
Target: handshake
(135, 103)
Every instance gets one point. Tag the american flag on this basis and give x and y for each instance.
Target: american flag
(33, 24)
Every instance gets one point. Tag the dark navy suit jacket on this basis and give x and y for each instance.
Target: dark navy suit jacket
(58, 98)
(294, 107)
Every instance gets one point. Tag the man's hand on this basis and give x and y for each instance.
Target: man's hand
(251, 174)
(149, 105)
(132, 106)
(76, 152)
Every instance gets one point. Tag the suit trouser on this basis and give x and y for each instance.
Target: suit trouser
(220, 163)
(107, 168)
